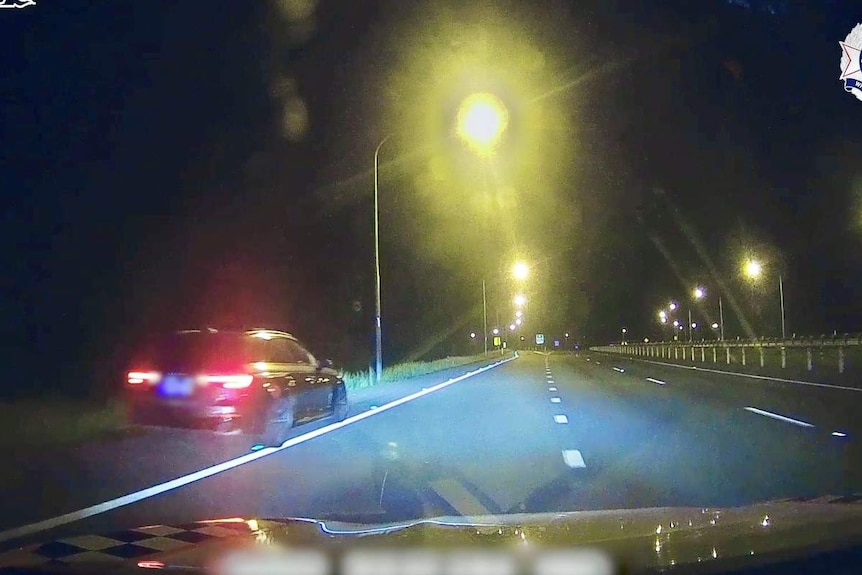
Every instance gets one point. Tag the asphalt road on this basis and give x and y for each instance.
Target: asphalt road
(537, 434)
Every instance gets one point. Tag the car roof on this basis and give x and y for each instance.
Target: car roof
(261, 332)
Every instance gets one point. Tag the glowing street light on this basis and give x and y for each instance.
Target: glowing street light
(715, 325)
(672, 306)
(752, 269)
(662, 315)
(518, 314)
(676, 323)
(512, 327)
(520, 300)
(694, 325)
(482, 119)
(496, 331)
(472, 335)
(518, 321)
(699, 293)
(521, 271)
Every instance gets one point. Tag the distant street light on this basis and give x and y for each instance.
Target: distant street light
(694, 325)
(699, 293)
(520, 300)
(715, 325)
(672, 306)
(519, 313)
(518, 321)
(521, 271)
(512, 327)
(625, 330)
(496, 331)
(472, 335)
(675, 323)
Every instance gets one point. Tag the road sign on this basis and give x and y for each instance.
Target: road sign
(497, 340)
(540, 339)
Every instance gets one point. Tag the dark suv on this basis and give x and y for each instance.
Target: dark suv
(262, 382)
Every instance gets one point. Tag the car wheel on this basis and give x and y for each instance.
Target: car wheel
(339, 402)
(278, 422)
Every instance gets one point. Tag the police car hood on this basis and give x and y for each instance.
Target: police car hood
(704, 539)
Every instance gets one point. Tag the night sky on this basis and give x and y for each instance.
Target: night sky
(180, 164)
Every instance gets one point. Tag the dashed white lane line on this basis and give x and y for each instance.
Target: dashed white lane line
(619, 369)
(779, 417)
(561, 419)
(654, 380)
(555, 400)
(598, 363)
(573, 458)
(839, 434)
(160, 488)
(552, 388)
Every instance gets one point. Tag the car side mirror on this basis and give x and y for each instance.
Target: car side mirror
(324, 363)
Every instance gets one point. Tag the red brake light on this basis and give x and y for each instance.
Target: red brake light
(135, 377)
(228, 381)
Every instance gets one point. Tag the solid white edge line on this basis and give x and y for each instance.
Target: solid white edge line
(619, 369)
(552, 389)
(839, 434)
(747, 375)
(573, 458)
(160, 488)
(654, 380)
(778, 417)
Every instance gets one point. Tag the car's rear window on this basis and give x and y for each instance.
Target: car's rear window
(202, 347)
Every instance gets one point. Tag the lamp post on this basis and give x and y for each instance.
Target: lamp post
(753, 270)
(378, 326)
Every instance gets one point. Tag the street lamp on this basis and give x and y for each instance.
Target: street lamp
(700, 293)
(482, 119)
(520, 300)
(512, 327)
(378, 327)
(472, 335)
(521, 271)
(753, 270)
(496, 331)
(672, 306)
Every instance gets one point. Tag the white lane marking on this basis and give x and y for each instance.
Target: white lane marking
(619, 369)
(561, 419)
(748, 375)
(598, 363)
(458, 497)
(778, 417)
(573, 458)
(552, 388)
(839, 434)
(654, 380)
(160, 488)
(555, 400)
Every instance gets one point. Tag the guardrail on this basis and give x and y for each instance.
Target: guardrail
(746, 352)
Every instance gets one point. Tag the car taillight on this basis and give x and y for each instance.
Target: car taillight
(228, 381)
(135, 377)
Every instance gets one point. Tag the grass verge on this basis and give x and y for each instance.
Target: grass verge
(363, 379)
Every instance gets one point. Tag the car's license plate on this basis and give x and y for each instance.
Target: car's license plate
(177, 386)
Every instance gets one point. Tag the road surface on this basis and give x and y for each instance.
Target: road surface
(539, 433)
